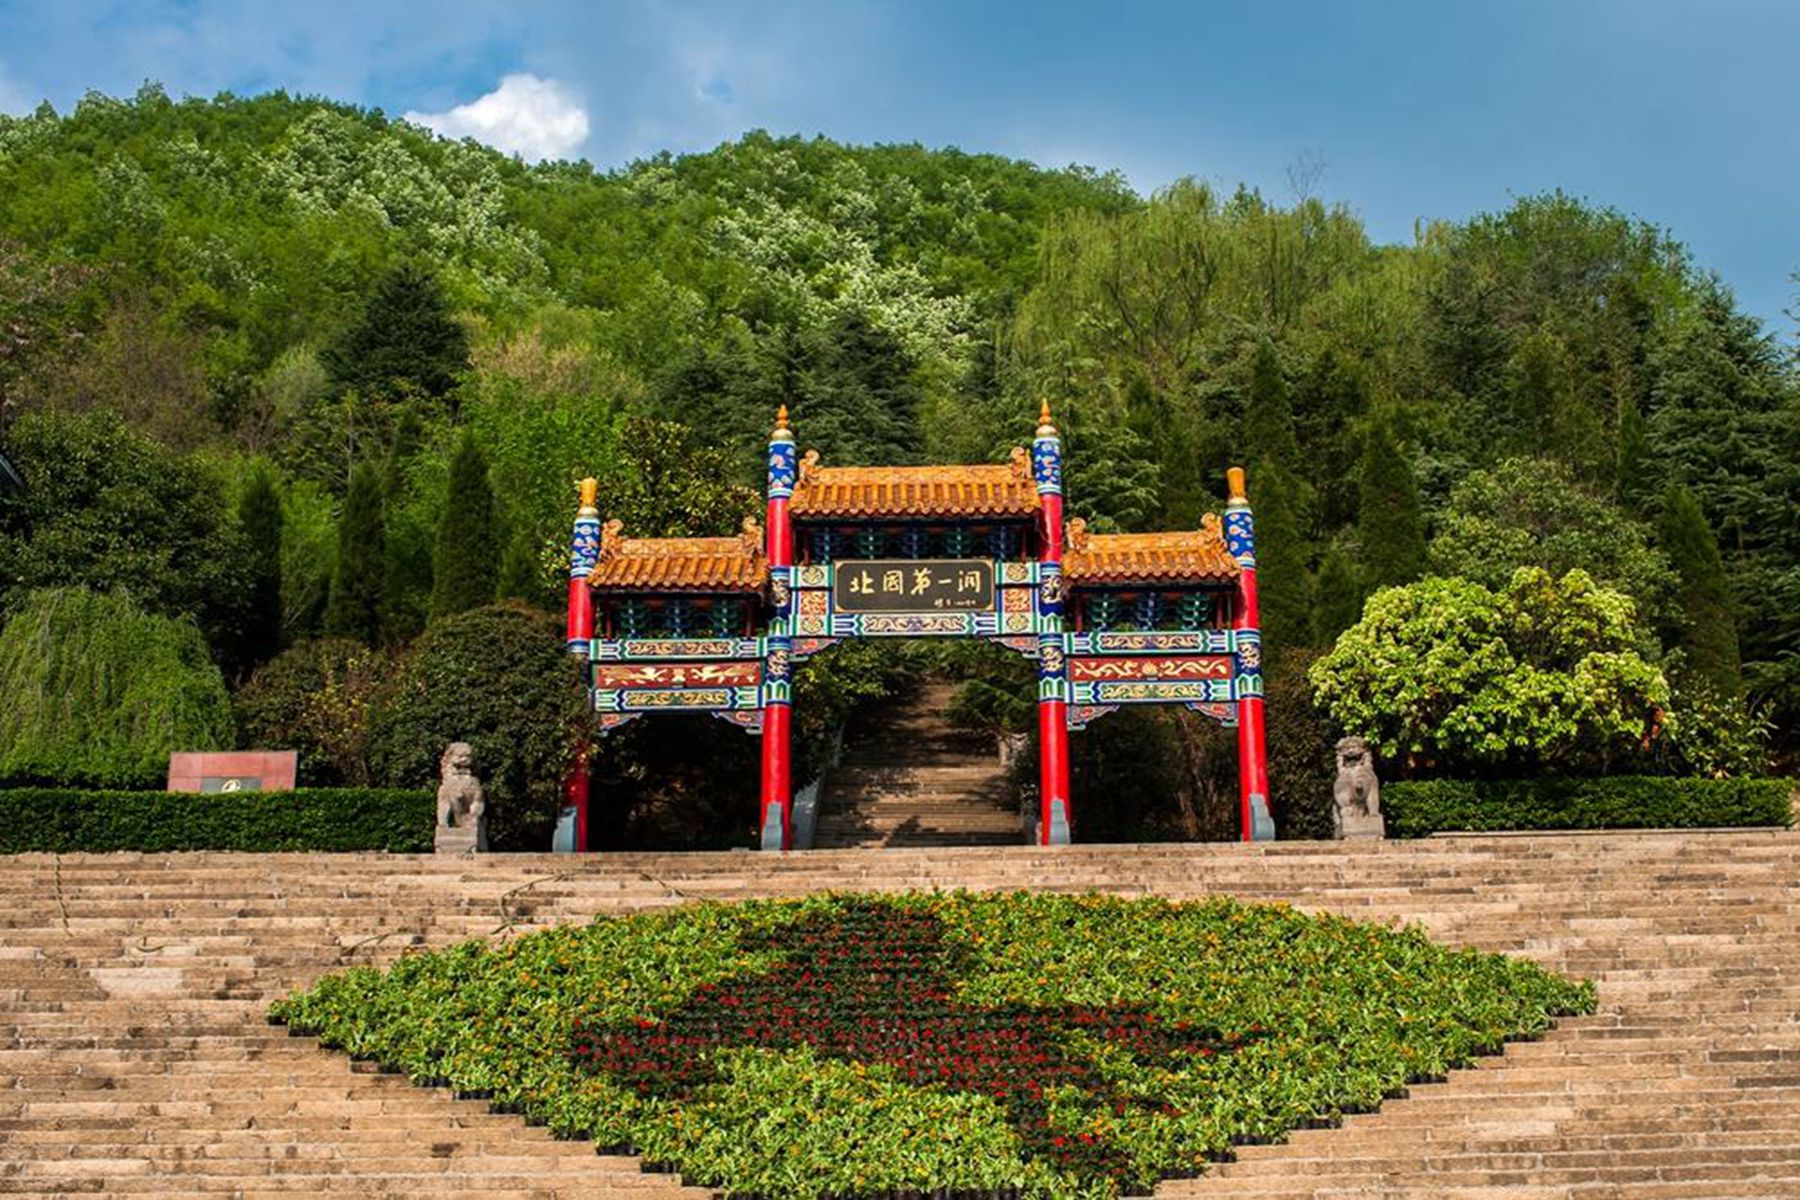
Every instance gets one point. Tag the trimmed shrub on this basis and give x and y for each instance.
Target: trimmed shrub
(97, 692)
(67, 821)
(501, 679)
(316, 698)
(1612, 802)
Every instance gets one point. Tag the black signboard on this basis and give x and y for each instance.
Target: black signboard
(913, 585)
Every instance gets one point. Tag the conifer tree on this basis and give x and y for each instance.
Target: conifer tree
(1632, 463)
(1268, 413)
(1284, 580)
(1389, 520)
(359, 581)
(466, 565)
(405, 340)
(407, 588)
(259, 518)
(1338, 597)
(1708, 627)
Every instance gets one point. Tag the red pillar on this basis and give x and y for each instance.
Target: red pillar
(1054, 817)
(584, 553)
(1253, 758)
(776, 824)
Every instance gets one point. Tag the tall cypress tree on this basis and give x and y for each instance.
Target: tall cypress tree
(359, 582)
(1389, 520)
(1632, 463)
(467, 564)
(1284, 581)
(1708, 627)
(1269, 412)
(1338, 597)
(409, 541)
(259, 517)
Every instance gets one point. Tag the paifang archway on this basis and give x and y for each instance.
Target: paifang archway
(716, 624)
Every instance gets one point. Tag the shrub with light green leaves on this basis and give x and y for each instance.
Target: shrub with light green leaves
(1444, 675)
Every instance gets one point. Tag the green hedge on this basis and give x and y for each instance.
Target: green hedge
(1613, 802)
(66, 820)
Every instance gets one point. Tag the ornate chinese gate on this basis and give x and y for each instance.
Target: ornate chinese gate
(715, 625)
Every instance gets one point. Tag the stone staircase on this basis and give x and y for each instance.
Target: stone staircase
(910, 778)
(135, 1058)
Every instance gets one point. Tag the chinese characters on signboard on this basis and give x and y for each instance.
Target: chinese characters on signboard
(914, 585)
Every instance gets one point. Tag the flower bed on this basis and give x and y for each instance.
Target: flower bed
(975, 1044)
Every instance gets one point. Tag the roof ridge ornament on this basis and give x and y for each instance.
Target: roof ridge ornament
(752, 537)
(612, 539)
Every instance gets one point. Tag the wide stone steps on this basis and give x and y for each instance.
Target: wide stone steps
(909, 779)
(134, 1058)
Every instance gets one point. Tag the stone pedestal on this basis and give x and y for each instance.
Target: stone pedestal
(1353, 827)
(455, 840)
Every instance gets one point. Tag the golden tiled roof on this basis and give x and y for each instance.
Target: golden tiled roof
(1189, 556)
(693, 564)
(982, 490)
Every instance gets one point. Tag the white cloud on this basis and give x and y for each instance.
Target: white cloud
(531, 117)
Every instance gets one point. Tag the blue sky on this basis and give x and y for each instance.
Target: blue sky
(1683, 114)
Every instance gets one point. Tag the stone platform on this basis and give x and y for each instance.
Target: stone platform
(134, 1057)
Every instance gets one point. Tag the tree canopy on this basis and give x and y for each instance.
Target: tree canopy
(196, 291)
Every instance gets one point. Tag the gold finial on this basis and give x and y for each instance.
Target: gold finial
(1234, 484)
(782, 432)
(589, 489)
(1046, 427)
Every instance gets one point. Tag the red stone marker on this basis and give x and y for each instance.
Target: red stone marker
(233, 771)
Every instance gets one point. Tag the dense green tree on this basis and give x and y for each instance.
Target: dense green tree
(1283, 575)
(1268, 413)
(409, 532)
(317, 698)
(406, 340)
(359, 581)
(1633, 459)
(99, 692)
(500, 679)
(106, 508)
(671, 482)
(1338, 597)
(1446, 676)
(857, 394)
(1533, 513)
(1389, 522)
(1707, 627)
(466, 567)
(259, 519)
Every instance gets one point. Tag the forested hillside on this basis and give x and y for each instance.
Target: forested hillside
(253, 350)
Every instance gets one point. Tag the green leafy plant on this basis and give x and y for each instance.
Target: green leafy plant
(1615, 802)
(846, 1045)
(69, 821)
(500, 679)
(1545, 673)
(94, 691)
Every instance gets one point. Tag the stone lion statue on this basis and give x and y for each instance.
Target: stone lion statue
(1356, 812)
(461, 804)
